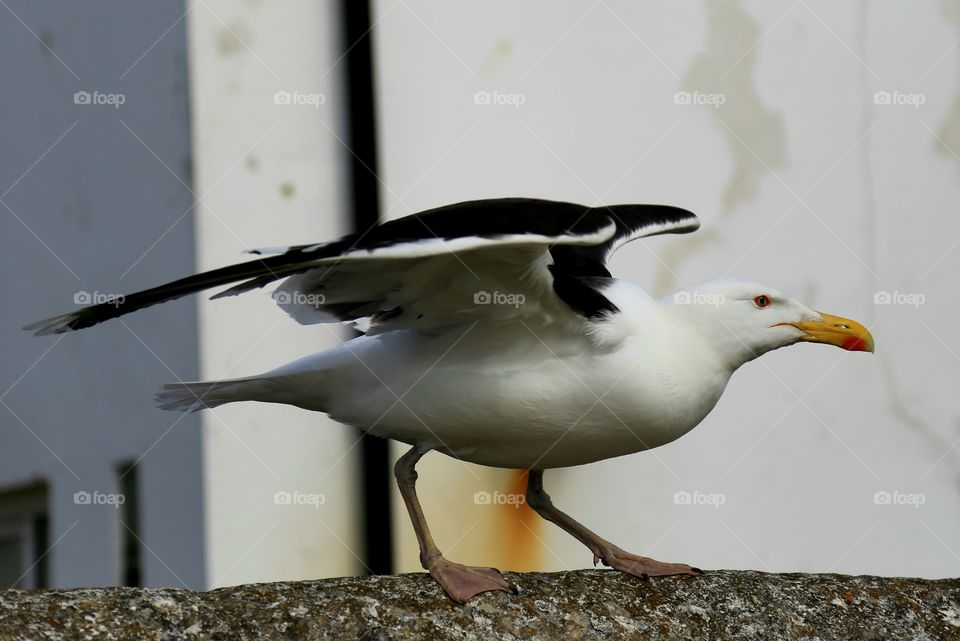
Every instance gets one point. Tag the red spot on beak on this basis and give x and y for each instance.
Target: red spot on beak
(855, 344)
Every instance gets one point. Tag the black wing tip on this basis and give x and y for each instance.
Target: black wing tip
(671, 210)
(72, 321)
(685, 215)
(60, 324)
(672, 219)
(227, 293)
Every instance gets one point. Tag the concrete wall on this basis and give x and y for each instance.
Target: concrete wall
(96, 199)
(802, 180)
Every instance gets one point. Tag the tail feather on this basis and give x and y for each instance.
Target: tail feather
(302, 383)
(191, 397)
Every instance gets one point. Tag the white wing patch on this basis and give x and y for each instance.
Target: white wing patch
(433, 246)
(670, 227)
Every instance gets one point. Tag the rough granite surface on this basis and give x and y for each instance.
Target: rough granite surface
(588, 604)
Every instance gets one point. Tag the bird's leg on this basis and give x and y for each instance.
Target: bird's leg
(460, 582)
(602, 549)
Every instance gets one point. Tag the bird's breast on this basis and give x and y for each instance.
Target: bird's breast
(562, 410)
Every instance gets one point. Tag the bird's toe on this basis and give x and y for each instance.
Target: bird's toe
(645, 567)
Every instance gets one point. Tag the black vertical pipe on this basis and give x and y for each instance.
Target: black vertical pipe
(362, 139)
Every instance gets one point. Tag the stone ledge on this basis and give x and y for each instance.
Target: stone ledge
(583, 604)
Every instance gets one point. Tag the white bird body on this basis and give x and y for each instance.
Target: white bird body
(505, 396)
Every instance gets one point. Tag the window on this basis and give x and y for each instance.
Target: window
(23, 537)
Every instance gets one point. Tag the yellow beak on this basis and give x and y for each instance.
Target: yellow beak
(836, 330)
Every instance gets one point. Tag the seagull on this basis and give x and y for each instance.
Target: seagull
(493, 332)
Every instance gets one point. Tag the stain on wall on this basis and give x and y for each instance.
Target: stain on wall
(725, 73)
(728, 67)
(46, 39)
(675, 255)
(523, 528)
(233, 39)
(497, 58)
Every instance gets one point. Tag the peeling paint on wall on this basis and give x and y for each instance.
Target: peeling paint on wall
(728, 67)
(757, 136)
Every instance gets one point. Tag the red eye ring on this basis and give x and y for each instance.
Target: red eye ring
(762, 301)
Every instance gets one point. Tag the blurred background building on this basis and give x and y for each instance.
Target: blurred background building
(819, 142)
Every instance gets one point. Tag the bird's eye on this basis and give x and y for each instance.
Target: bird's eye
(762, 301)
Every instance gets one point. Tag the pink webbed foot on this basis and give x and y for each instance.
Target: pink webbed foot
(463, 582)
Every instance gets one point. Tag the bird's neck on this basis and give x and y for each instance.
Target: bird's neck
(709, 335)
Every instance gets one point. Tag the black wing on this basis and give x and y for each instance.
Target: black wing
(359, 271)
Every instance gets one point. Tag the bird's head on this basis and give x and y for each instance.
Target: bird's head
(745, 320)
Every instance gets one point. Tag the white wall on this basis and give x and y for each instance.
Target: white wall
(877, 199)
(268, 175)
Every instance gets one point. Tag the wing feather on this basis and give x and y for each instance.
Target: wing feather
(424, 270)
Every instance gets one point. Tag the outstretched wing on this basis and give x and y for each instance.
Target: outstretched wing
(494, 260)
